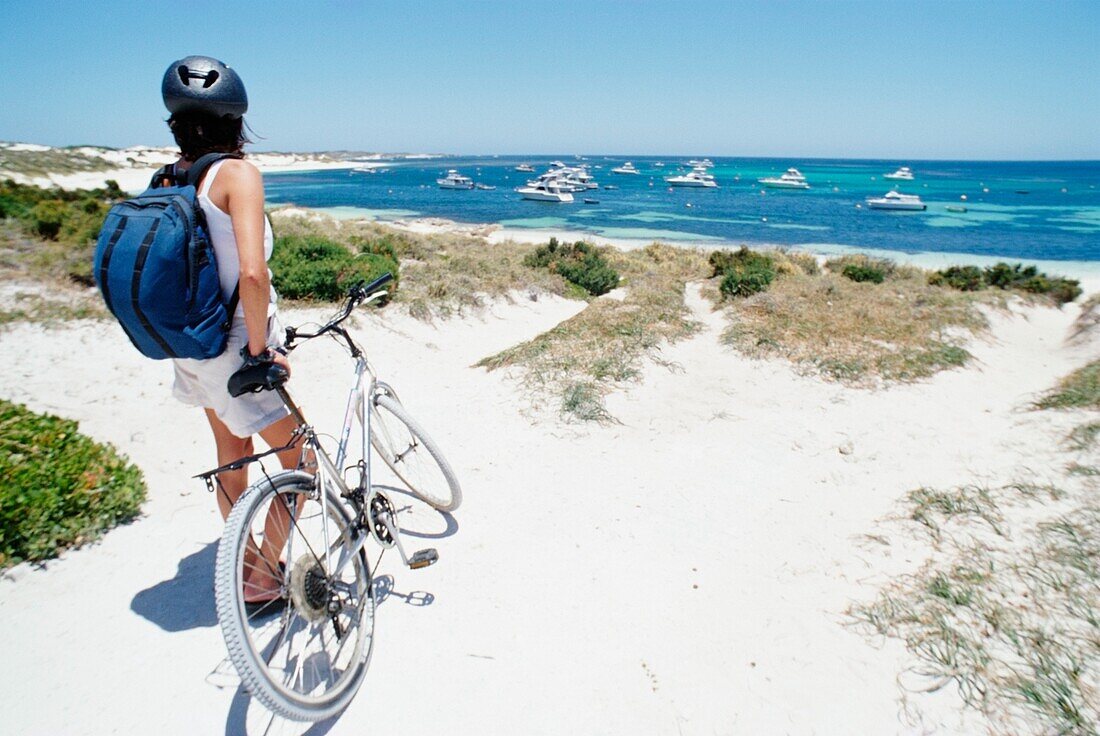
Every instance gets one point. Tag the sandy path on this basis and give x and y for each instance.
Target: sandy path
(566, 599)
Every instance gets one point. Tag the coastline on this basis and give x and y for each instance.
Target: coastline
(1087, 272)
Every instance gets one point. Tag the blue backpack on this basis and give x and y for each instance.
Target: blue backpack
(155, 267)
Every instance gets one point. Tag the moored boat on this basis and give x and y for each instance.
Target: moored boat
(455, 180)
(897, 201)
(902, 174)
(547, 191)
(627, 168)
(697, 177)
(790, 179)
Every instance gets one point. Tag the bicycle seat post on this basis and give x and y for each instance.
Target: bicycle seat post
(294, 410)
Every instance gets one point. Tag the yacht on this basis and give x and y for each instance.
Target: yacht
(569, 178)
(485, 187)
(526, 168)
(455, 180)
(627, 168)
(705, 163)
(789, 179)
(697, 177)
(903, 174)
(897, 201)
(547, 191)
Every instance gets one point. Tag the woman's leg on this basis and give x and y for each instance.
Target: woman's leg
(262, 585)
(231, 483)
(261, 565)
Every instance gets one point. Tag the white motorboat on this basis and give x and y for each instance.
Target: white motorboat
(485, 187)
(527, 168)
(789, 179)
(705, 163)
(547, 191)
(627, 168)
(902, 174)
(569, 178)
(697, 177)
(897, 201)
(455, 180)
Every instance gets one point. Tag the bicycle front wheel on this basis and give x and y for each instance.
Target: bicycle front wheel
(304, 649)
(410, 453)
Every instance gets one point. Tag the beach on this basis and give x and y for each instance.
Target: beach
(684, 569)
(690, 565)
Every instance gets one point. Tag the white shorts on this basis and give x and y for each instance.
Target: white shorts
(203, 383)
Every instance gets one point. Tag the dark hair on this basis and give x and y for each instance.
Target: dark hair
(198, 133)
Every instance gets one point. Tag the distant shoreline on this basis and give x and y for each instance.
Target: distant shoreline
(1087, 272)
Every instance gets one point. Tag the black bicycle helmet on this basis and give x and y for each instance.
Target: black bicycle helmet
(203, 84)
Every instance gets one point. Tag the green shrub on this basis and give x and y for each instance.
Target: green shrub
(862, 273)
(315, 268)
(48, 216)
(963, 278)
(744, 272)
(578, 263)
(1005, 276)
(1059, 289)
(60, 488)
(1008, 276)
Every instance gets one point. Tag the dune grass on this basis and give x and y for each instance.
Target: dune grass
(1078, 390)
(1007, 612)
(858, 332)
(53, 161)
(604, 345)
(442, 275)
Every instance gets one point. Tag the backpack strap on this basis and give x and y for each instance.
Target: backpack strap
(231, 307)
(195, 173)
(165, 176)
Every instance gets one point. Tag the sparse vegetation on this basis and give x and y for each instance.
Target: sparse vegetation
(1084, 438)
(899, 330)
(441, 274)
(68, 222)
(60, 488)
(1008, 612)
(50, 161)
(1078, 390)
(582, 358)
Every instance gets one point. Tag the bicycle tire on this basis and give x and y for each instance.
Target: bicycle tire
(417, 478)
(235, 622)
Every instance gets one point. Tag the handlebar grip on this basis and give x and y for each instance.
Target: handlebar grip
(377, 283)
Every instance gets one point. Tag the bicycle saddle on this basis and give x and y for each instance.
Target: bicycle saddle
(251, 379)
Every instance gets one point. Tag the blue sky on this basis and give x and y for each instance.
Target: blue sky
(912, 80)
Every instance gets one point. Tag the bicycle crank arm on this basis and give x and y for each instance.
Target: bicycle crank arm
(421, 558)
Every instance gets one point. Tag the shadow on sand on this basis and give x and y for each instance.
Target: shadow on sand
(187, 600)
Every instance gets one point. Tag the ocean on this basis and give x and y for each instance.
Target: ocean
(1046, 211)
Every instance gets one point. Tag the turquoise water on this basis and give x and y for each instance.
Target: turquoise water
(1030, 210)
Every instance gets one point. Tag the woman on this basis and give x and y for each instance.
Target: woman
(207, 102)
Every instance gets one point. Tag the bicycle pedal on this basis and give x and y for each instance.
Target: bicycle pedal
(423, 558)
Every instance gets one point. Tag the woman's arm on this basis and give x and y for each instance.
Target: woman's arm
(245, 205)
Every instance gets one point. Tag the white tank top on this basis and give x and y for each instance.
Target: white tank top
(220, 227)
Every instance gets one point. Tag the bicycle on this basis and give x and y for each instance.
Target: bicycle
(306, 532)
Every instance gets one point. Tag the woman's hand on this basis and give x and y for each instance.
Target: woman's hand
(279, 359)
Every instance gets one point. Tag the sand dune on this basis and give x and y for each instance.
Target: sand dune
(683, 571)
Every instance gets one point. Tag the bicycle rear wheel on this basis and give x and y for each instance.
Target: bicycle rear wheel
(408, 450)
(304, 654)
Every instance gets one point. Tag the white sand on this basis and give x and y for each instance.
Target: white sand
(684, 571)
(133, 167)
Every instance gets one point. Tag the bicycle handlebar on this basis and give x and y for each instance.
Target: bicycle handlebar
(357, 295)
